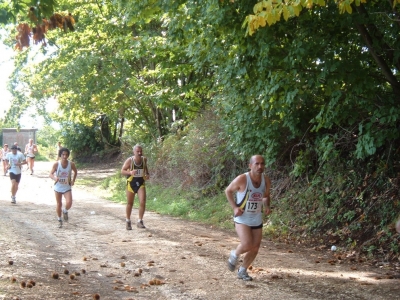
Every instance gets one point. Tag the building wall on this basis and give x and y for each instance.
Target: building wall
(11, 135)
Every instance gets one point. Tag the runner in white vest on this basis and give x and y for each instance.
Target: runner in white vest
(15, 160)
(61, 173)
(4, 153)
(252, 196)
(30, 151)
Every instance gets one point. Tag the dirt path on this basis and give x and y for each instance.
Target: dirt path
(184, 260)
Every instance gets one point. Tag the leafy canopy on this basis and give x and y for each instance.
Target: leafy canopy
(271, 11)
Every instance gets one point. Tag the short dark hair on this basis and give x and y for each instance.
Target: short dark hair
(251, 160)
(63, 149)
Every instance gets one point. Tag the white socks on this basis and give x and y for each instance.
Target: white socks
(242, 269)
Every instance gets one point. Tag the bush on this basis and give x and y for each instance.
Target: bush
(196, 158)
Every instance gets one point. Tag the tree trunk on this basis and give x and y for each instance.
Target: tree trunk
(369, 31)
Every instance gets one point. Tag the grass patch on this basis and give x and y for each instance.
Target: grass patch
(45, 154)
(187, 205)
(40, 157)
(90, 181)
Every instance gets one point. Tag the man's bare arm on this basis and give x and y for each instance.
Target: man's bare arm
(235, 186)
(267, 198)
(125, 170)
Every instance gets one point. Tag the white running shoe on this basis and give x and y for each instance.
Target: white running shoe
(232, 261)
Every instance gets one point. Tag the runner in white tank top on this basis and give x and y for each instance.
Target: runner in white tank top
(61, 173)
(253, 193)
(63, 184)
(250, 201)
(5, 151)
(30, 151)
(15, 160)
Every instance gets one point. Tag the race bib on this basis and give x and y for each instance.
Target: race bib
(254, 204)
(138, 173)
(63, 178)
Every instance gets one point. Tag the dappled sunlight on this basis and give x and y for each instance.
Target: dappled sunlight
(335, 273)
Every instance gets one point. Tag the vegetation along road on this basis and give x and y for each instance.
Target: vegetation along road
(170, 259)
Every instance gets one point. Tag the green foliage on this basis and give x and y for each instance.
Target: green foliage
(10, 11)
(128, 73)
(196, 157)
(209, 210)
(48, 137)
(317, 94)
(301, 82)
(43, 153)
(5, 13)
(81, 140)
(116, 184)
(268, 12)
(348, 201)
(303, 163)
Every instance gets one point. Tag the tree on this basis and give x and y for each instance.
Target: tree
(35, 18)
(372, 29)
(309, 83)
(11, 11)
(112, 69)
(269, 12)
(48, 137)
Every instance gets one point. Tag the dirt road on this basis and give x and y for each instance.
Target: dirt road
(171, 259)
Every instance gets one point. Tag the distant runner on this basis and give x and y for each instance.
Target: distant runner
(4, 153)
(15, 160)
(61, 173)
(30, 151)
(135, 169)
(58, 148)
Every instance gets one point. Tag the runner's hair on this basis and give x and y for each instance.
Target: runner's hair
(62, 150)
(137, 146)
